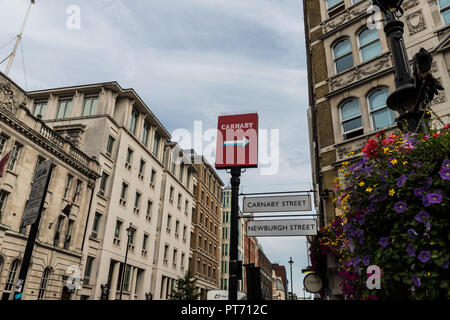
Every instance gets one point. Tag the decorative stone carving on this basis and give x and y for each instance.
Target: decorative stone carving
(415, 22)
(347, 15)
(354, 146)
(7, 99)
(409, 4)
(360, 72)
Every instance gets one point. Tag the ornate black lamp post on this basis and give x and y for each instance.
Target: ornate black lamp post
(404, 98)
(410, 92)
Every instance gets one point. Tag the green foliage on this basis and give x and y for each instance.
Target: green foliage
(185, 288)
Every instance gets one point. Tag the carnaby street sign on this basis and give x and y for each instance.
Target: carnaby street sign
(275, 228)
(237, 141)
(277, 204)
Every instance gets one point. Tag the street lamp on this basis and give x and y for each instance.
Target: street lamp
(407, 97)
(130, 231)
(292, 284)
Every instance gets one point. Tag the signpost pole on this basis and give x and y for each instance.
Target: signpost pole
(30, 245)
(234, 230)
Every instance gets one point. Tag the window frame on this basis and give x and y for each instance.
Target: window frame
(67, 107)
(362, 47)
(442, 10)
(385, 107)
(42, 104)
(350, 119)
(342, 56)
(90, 98)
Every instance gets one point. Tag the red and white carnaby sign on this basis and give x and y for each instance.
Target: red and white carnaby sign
(237, 141)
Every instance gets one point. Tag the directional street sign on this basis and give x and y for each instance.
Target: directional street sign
(237, 141)
(277, 204)
(275, 228)
(38, 193)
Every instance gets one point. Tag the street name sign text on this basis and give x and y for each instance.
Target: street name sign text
(275, 228)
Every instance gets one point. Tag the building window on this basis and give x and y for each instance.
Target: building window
(141, 169)
(179, 202)
(77, 190)
(44, 280)
(96, 225)
(156, 144)
(68, 235)
(186, 205)
(40, 108)
(334, 7)
(144, 245)
(117, 232)
(67, 186)
(153, 178)
(445, 10)
(64, 108)
(129, 158)
(11, 279)
(177, 226)
(184, 232)
(381, 115)
(14, 156)
(145, 130)
(172, 166)
(110, 145)
(137, 202)
(343, 58)
(166, 249)
(3, 196)
(3, 140)
(133, 121)
(90, 106)
(87, 270)
(171, 194)
(369, 44)
(58, 231)
(351, 119)
(149, 210)
(175, 253)
(169, 220)
(123, 193)
(181, 172)
(103, 183)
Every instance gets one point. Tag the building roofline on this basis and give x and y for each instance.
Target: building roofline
(113, 85)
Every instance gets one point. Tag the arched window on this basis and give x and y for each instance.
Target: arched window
(444, 5)
(342, 53)
(11, 279)
(381, 115)
(369, 44)
(351, 119)
(43, 287)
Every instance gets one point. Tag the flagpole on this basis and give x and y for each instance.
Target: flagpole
(19, 37)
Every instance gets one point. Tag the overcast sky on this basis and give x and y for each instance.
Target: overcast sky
(189, 60)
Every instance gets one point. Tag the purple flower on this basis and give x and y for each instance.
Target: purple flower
(401, 180)
(366, 260)
(416, 280)
(419, 192)
(412, 233)
(445, 265)
(446, 164)
(351, 246)
(384, 242)
(400, 206)
(428, 183)
(434, 197)
(445, 173)
(425, 201)
(361, 219)
(418, 164)
(384, 176)
(411, 250)
(424, 256)
(421, 216)
(426, 236)
(428, 226)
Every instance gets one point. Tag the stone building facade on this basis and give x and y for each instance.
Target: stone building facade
(206, 222)
(61, 239)
(225, 245)
(142, 196)
(350, 75)
(266, 274)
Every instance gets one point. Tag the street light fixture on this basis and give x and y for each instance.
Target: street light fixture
(292, 284)
(130, 231)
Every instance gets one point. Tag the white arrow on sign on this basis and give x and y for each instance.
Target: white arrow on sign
(244, 142)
